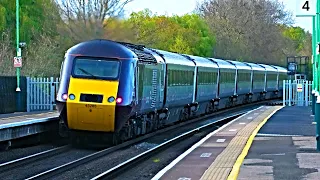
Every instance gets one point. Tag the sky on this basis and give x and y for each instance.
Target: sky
(180, 7)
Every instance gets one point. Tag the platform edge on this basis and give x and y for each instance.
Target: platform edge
(236, 167)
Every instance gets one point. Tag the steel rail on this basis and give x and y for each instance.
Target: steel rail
(31, 158)
(113, 172)
(60, 169)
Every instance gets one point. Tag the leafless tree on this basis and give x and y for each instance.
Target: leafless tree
(85, 19)
(248, 29)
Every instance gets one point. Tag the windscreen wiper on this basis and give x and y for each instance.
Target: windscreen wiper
(86, 72)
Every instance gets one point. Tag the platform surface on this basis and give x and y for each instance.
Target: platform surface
(215, 155)
(284, 148)
(25, 118)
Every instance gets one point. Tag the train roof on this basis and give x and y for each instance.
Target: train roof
(255, 67)
(281, 69)
(174, 58)
(223, 63)
(269, 68)
(240, 65)
(97, 48)
(202, 62)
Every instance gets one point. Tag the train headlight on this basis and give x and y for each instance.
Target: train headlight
(64, 96)
(119, 100)
(111, 99)
(72, 96)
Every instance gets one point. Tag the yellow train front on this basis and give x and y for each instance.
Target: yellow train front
(95, 91)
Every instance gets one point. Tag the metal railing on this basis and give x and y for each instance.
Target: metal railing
(297, 92)
(41, 93)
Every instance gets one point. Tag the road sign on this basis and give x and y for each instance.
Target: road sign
(299, 87)
(17, 62)
(306, 7)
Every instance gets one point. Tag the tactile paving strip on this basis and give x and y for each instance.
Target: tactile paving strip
(223, 164)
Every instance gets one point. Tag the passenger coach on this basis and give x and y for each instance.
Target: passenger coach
(118, 90)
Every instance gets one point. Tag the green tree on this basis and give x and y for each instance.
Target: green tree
(187, 34)
(203, 42)
(36, 17)
(296, 34)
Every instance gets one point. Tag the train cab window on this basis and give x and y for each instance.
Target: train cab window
(96, 68)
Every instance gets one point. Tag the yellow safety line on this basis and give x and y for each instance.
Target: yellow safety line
(236, 167)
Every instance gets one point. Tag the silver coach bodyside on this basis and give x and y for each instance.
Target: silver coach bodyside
(180, 79)
(243, 77)
(206, 83)
(282, 75)
(226, 76)
(257, 77)
(271, 77)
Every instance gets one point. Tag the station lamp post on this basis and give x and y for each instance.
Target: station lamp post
(18, 59)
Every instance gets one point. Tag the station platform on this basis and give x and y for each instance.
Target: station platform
(270, 142)
(16, 125)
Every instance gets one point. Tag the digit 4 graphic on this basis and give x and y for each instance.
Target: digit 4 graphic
(306, 7)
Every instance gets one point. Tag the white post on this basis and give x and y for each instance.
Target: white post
(47, 93)
(34, 94)
(51, 93)
(40, 91)
(28, 94)
(284, 93)
(290, 92)
(38, 95)
(306, 93)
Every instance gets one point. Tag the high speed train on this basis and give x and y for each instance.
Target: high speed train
(119, 90)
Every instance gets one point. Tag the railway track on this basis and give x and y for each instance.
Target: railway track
(121, 168)
(33, 164)
(204, 123)
(32, 158)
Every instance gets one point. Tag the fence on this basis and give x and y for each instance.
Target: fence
(297, 92)
(8, 94)
(41, 93)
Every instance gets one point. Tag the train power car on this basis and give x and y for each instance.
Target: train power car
(118, 90)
